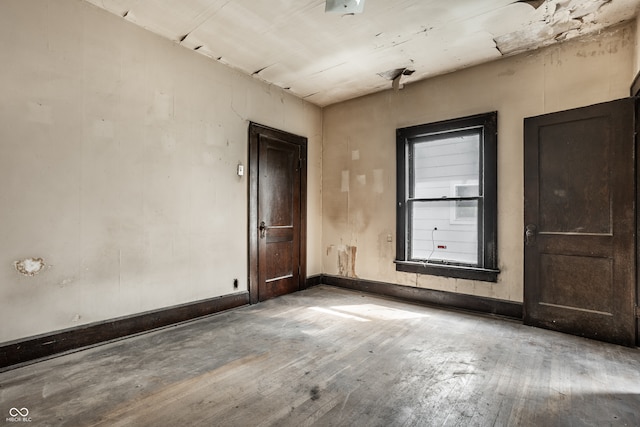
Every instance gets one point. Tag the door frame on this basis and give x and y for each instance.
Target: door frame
(255, 131)
(637, 207)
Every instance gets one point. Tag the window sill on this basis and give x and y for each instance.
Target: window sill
(453, 271)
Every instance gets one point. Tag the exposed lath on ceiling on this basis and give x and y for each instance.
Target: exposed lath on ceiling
(327, 58)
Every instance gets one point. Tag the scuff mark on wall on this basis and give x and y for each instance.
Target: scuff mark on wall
(66, 282)
(378, 183)
(103, 129)
(344, 183)
(386, 251)
(347, 261)
(40, 113)
(360, 219)
(29, 266)
(507, 73)
(163, 106)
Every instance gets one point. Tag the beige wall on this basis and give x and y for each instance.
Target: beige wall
(359, 150)
(118, 155)
(637, 51)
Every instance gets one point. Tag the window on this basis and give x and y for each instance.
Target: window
(447, 185)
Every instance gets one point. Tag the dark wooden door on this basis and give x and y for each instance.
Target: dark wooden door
(579, 222)
(278, 212)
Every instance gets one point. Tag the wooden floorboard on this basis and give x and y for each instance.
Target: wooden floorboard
(334, 357)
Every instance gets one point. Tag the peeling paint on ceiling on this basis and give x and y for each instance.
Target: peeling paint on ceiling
(327, 58)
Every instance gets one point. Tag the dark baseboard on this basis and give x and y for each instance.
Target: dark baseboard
(30, 349)
(42, 346)
(312, 281)
(428, 296)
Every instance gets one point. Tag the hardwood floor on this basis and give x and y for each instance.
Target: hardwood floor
(333, 357)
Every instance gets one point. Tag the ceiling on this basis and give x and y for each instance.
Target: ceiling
(327, 57)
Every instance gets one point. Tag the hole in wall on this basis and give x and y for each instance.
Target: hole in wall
(29, 266)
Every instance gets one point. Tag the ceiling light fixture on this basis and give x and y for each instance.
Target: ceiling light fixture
(344, 6)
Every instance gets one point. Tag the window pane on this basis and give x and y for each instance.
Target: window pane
(445, 231)
(442, 163)
(465, 210)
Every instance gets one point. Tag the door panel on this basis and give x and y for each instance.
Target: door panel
(575, 195)
(579, 213)
(595, 275)
(276, 212)
(279, 211)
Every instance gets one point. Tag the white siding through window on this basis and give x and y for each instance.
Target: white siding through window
(445, 167)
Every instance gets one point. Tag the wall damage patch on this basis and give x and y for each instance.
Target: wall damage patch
(347, 261)
(344, 182)
(29, 266)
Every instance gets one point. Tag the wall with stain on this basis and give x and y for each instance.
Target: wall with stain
(359, 170)
(118, 155)
(637, 51)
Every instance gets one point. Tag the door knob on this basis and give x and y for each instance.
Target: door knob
(263, 229)
(530, 234)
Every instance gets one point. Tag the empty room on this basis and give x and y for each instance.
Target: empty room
(319, 212)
